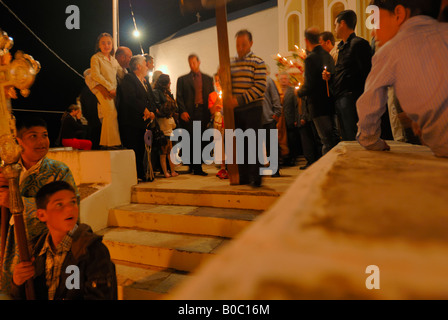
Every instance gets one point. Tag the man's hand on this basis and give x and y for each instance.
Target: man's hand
(302, 122)
(326, 75)
(104, 92)
(233, 102)
(185, 116)
(148, 115)
(23, 272)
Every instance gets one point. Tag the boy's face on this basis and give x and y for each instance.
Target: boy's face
(389, 25)
(61, 213)
(35, 144)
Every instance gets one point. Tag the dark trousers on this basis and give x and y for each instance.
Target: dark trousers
(311, 144)
(249, 117)
(348, 116)
(325, 129)
(268, 127)
(196, 116)
(133, 138)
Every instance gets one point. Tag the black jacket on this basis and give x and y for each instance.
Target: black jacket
(133, 99)
(353, 66)
(98, 279)
(185, 96)
(315, 88)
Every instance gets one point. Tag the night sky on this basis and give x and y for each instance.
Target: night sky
(56, 86)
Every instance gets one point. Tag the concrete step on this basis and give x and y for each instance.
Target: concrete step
(237, 199)
(141, 282)
(219, 222)
(166, 250)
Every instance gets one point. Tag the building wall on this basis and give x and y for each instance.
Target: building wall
(319, 13)
(171, 56)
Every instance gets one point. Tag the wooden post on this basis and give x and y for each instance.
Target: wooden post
(4, 231)
(226, 84)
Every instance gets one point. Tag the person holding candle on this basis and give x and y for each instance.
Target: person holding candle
(317, 90)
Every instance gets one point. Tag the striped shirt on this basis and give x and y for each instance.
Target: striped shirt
(248, 79)
(415, 63)
(54, 260)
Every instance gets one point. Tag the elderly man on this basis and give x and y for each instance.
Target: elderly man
(248, 87)
(123, 56)
(137, 104)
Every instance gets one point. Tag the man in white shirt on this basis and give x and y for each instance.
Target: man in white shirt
(412, 59)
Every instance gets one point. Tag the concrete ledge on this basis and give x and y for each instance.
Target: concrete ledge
(112, 173)
(351, 209)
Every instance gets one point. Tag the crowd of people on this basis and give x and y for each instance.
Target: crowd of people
(351, 90)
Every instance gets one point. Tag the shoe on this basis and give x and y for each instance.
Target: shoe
(276, 175)
(256, 182)
(224, 174)
(200, 173)
(220, 172)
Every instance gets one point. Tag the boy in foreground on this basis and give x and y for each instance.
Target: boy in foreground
(70, 262)
(37, 171)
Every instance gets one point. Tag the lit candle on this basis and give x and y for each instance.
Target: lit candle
(328, 90)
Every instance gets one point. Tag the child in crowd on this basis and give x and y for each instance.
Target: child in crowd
(165, 114)
(104, 68)
(66, 246)
(72, 133)
(215, 106)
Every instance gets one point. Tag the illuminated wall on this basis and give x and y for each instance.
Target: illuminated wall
(297, 15)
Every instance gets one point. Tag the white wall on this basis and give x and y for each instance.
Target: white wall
(171, 56)
(112, 173)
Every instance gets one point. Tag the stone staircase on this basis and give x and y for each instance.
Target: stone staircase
(174, 225)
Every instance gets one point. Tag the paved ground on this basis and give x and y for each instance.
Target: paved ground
(211, 182)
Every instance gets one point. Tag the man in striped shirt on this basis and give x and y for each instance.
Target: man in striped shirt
(248, 74)
(412, 59)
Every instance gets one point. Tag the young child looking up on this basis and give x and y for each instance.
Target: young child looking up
(37, 171)
(104, 68)
(168, 108)
(66, 246)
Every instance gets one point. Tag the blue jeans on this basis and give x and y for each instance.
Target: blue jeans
(325, 129)
(348, 116)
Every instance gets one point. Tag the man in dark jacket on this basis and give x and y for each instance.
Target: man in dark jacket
(315, 88)
(137, 104)
(351, 71)
(192, 93)
(70, 261)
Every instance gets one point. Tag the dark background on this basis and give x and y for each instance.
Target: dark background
(56, 86)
